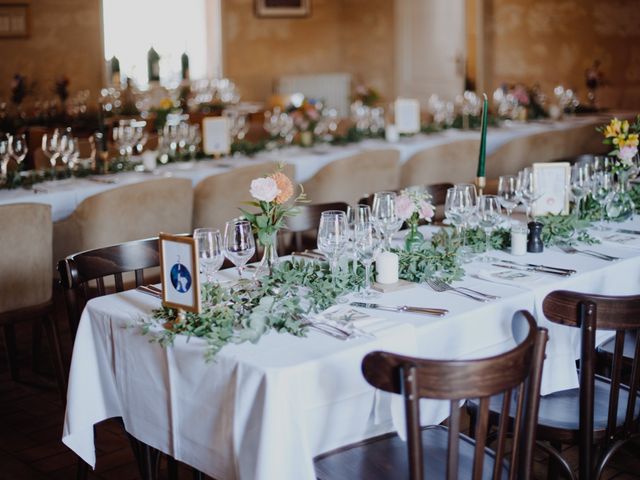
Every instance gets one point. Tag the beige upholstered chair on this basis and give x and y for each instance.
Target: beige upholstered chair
(543, 147)
(453, 162)
(130, 212)
(26, 279)
(348, 179)
(218, 197)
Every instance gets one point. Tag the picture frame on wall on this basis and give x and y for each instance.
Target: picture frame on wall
(551, 180)
(15, 19)
(282, 8)
(179, 273)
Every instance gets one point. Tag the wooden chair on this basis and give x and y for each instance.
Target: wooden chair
(25, 286)
(307, 221)
(388, 457)
(83, 276)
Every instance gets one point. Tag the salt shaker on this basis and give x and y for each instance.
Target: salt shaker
(518, 239)
(534, 241)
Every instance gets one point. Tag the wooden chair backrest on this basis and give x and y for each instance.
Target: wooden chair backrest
(599, 312)
(516, 371)
(83, 274)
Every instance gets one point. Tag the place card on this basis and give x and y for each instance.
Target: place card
(551, 180)
(407, 113)
(179, 273)
(216, 139)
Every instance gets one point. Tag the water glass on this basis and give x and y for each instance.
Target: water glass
(333, 238)
(18, 148)
(4, 156)
(239, 244)
(508, 193)
(580, 184)
(601, 188)
(367, 246)
(357, 216)
(489, 214)
(526, 190)
(210, 251)
(385, 217)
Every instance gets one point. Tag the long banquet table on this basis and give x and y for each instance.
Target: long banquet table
(65, 195)
(263, 411)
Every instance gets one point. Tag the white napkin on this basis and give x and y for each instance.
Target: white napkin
(355, 321)
(512, 277)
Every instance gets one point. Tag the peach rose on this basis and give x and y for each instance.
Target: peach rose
(285, 187)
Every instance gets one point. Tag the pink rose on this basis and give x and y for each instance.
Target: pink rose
(404, 207)
(627, 153)
(264, 189)
(425, 210)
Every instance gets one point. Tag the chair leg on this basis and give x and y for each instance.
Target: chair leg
(83, 470)
(553, 470)
(12, 351)
(172, 468)
(56, 355)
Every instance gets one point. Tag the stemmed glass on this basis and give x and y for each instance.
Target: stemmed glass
(454, 207)
(601, 187)
(4, 156)
(367, 246)
(239, 245)
(210, 250)
(385, 217)
(580, 184)
(69, 150)
(356, 216)
(489, 214)
(508, 193)
(333, 237)
(18, 148)
(526, 190)
(50, 147)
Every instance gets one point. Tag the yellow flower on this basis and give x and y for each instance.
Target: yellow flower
(632, 140)
(166, 104)
(619, 140)
(613, 129)
(284, 186)
(625, 127)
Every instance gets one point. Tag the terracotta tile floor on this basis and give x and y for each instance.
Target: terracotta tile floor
(31, 417)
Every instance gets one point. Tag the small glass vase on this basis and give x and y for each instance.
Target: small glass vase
(269, 256)
(414, 238)
(306, 138)
(620, 205)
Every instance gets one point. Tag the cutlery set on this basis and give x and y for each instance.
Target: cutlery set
(441, 286)
(533, 267)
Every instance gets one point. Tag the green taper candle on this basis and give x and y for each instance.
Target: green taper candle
(483, 138)
(184, 61)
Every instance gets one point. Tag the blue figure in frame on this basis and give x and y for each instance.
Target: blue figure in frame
(180, 277)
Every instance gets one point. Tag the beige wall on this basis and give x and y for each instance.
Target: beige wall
(555, 41)
(354, 36)
(65, 40)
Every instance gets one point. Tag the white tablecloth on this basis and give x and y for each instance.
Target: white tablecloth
(264, 411)
(64, 196)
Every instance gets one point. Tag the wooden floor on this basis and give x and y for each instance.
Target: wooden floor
(31, 418)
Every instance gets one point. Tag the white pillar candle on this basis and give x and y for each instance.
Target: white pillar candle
(391, 133)
(149, 161)
(387, 268)
(518, 239)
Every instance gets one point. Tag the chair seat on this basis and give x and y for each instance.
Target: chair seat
(386, 457)
(629, 346)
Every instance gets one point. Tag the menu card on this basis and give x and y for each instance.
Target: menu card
(407, 113)
(216, 139)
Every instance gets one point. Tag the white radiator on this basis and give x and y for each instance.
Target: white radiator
(334, 89)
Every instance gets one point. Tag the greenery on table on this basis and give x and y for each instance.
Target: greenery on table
(431, 259)
(565, 229)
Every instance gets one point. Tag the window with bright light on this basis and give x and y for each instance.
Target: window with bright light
(171, 27)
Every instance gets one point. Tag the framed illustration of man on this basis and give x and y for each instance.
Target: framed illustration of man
(179, 273)
(282, 8)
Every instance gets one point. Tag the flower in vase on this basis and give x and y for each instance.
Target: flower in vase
(626, 154)
(264, 189)
(613, 129)
(405, 207)
(425, 210)
(285, 187)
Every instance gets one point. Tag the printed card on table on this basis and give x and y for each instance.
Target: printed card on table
(407, 113)
(216, 139)
(179, 273)
(551, 181)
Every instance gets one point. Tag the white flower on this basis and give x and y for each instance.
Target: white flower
(626, 154)
(404, 206)
(264, 189)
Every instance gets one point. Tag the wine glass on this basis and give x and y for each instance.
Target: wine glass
(69, 150)
(4, 156)
(489, 215)
(356, 216)
(526, 189)
(454, 205)
(385, 217)
(239, 245)
(50, 147)
(508, 193)
(333, 237)
(601, 188)
(580, 184)
(18, 148)
(367, 246)
(210, 250)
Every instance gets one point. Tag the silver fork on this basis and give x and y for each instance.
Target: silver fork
(441, 286)
(591, 253)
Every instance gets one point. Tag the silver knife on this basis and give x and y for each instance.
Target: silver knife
(533, 269)
(547, 267)
(439, 312)
(629, 232)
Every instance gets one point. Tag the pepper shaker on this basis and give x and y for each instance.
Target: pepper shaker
(534, 240)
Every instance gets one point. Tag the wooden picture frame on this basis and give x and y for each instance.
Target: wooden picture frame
(179, 272)
(15, 19)
(553, 180)
(282, 8)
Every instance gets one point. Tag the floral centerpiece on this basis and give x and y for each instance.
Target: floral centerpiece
(272, 195)
(413, 205)
(366, 95)
(306, 117)
(624, 139)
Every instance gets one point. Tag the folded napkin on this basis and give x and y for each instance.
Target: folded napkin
(620, 239)
(354, 321)
(512, 277)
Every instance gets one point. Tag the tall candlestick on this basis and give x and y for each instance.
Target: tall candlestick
(480, 174)
(184, 61)
(153, 65)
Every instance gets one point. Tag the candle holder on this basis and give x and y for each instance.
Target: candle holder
(481, 183)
